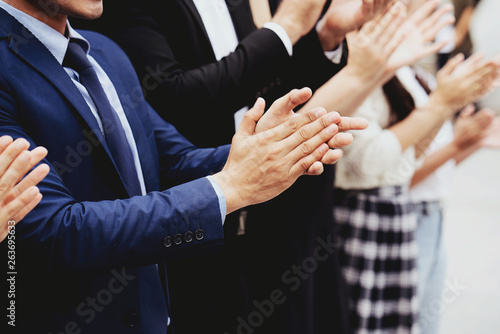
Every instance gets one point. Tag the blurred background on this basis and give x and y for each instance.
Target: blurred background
(472, 220)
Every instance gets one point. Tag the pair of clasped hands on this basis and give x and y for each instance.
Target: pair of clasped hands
(268, 153)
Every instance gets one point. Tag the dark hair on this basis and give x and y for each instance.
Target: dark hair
(400, 100)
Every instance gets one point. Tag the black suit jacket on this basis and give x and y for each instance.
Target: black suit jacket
(169, 47)
(171, 52)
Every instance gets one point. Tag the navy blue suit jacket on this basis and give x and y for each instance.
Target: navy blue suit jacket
(86, 255)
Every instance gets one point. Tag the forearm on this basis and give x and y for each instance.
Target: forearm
(419, 128)
(466, 152)
(344, 92)
(434, 161)
(462, 25)
(92, 236)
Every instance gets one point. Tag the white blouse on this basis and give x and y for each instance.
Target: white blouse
(375, 158)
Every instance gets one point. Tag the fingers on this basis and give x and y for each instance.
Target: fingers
(4, 142)
(425, 10)
(332, 156)
(352, 123)
(305, 162)
(340, 140)
(437, 21)
(452, 64)
(394, 18)
(315, 169)
(303, 126)
(32, 179)
(290, 101)
(252, 116)
(484, 118)
(18, 169)
(309, 140)
(433, 48)
(388, 23)
(467, 111)
(482, 78)
(11, 152)
(22, 205)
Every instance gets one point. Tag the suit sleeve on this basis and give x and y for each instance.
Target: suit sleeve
(226, 85)
(183, 81)
(85, 236)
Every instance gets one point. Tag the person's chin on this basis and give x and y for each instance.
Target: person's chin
(91, 11)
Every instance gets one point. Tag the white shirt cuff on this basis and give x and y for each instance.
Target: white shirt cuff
(220, 195)
(278, 30)
(335, 56)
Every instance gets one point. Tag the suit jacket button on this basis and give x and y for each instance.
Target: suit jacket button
(131, 320)
(188, 236)
(199, 235)
(178, 239)
(167, 241)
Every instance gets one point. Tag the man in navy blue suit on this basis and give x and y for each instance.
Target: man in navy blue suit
(90, 257)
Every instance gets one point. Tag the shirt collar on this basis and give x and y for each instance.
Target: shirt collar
(56, 43)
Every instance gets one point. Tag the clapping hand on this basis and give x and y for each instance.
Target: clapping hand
(420, 29)
(264, 162)
(344, 16)
(283, 110)
(18, 195)
(461, 82)
(471, 128)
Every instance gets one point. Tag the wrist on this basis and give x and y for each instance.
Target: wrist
(361, 77)
(329, 40)
(228, 186)
(293, 30)
(456, 146)
(438, 105)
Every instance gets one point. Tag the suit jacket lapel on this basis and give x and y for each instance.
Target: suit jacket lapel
(29, 48)
(196, 15)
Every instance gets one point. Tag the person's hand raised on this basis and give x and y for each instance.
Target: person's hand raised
(283, 110)
(371, 47)
(18, 195)
(420, 29)
(461, 82)
(298, 17)
(262, 165)
(492, 137)
(344, 16)
(470, 128)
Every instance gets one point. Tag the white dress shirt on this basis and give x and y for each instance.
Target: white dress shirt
(57, 44)
(220, 29)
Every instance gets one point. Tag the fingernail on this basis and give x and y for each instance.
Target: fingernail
(24, 157)
(33, 191)
(22, 144)
(332, 129)
(5, 140)
(319, 112)
(333, 117)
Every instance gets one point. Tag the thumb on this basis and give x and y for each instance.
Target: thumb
(252, 116)
(285, 104)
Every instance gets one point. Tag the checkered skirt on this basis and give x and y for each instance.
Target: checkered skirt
(377, 253)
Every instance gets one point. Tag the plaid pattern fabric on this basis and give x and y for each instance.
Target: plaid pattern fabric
(377, 252)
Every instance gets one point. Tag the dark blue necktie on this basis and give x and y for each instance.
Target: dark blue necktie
(76, 59)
